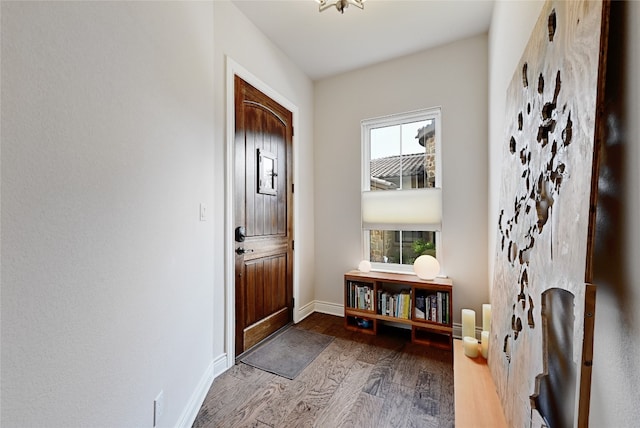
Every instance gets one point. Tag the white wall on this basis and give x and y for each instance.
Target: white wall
(453, 77)
(107, 150)
(616, 371)
(113, 123)
(237, 38)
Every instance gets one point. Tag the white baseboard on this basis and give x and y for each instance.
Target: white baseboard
(457, 331)
(304, 312)
(220, 365)
(318, 306)
(329, 308)
(216, 367)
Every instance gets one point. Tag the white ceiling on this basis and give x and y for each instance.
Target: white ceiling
(329, 43)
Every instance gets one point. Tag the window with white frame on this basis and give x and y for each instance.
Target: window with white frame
(401, 190)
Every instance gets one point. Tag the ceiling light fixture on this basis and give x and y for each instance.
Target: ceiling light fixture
(341, 5)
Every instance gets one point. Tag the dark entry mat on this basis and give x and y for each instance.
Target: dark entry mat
(288, 353)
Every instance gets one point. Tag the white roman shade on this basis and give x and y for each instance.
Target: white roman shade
(411, 209)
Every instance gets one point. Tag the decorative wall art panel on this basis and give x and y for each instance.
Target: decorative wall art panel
(542, 270)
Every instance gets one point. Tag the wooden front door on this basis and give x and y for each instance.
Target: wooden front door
(263, 216)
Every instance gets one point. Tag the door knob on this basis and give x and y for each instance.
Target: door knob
(241, 250)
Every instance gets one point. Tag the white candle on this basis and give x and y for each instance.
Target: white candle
(485, 344)
(486, 317)
(470, 347)
(468, 323)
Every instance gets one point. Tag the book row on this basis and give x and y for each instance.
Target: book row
(433, 307)
(360, 296)
(395, 304)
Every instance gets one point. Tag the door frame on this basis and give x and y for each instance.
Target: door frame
(233, 69)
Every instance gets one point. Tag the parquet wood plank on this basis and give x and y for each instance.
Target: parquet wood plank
(382, 374)
(406, 371)
(425, 408)
(339, 406)
(303, 415)
(364, 412)
(397, 406)
(328, 376)
(225, 394)
(371, 353)
(246, 415)
(319, 323)
(281, 404)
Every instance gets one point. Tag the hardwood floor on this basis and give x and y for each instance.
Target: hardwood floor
(357, 381)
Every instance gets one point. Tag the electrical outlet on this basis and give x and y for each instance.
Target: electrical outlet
(158, 408)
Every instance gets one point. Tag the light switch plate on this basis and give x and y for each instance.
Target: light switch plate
(203, 212)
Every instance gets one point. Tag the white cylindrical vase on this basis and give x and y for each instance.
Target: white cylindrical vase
(485, 344)
(468, 323)
(470, 346)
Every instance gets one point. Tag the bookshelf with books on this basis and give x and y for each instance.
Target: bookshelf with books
(424, 306)
(360, 306)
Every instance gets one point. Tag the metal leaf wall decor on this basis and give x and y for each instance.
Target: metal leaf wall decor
(540, 342)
